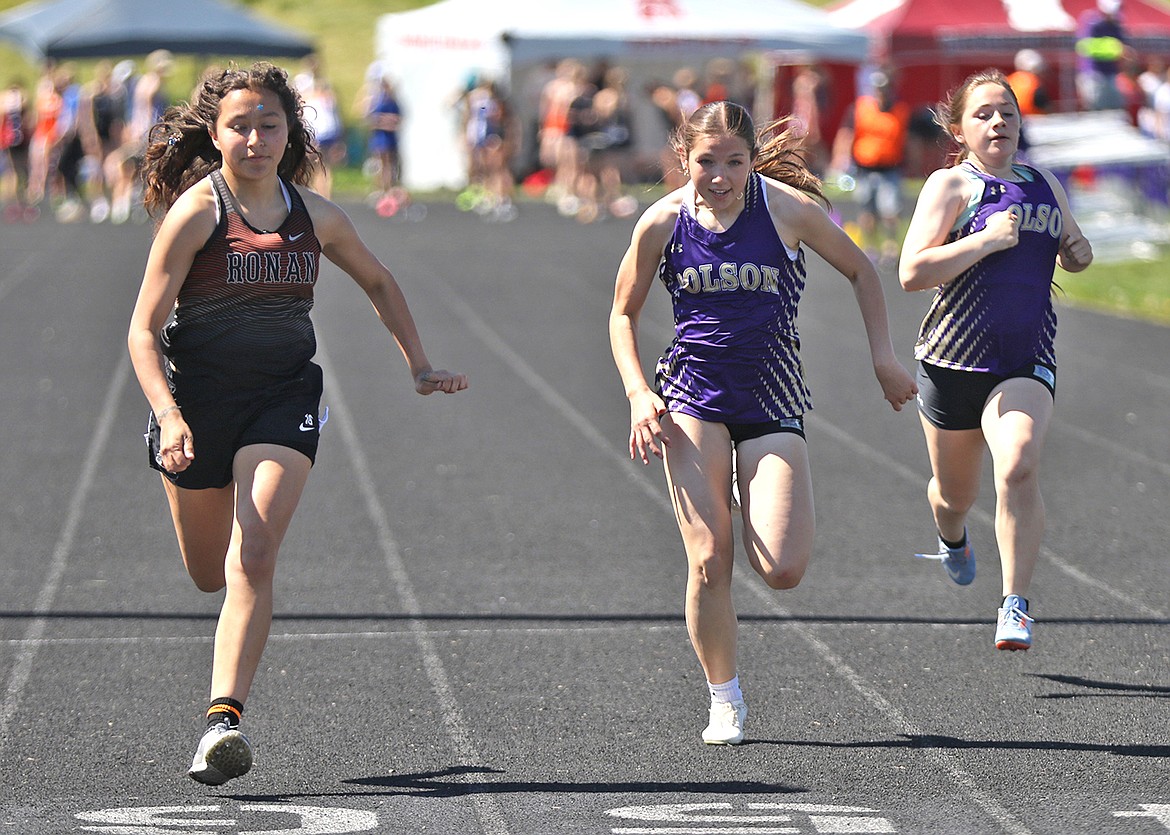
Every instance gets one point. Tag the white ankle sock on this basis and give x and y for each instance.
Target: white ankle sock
(728, 691)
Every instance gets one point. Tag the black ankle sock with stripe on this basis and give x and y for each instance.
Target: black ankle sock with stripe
(225, 710)
(1023, 602)
(962, 543)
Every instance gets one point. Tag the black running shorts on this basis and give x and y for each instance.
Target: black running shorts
(954, 399)
(285, 414)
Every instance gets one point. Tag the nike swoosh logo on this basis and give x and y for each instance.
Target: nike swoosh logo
(296, 237)
(304, 428)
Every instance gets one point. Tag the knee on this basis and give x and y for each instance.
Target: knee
(209, 582)
(780, 563)
(781, 577)
(958, 498)
(711, 572)
(257, 557)
(782, 571)
(1021, 471)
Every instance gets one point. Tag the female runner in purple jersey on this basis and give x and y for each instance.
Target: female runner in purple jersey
(234, 422)
(730, 386)
(987, 233)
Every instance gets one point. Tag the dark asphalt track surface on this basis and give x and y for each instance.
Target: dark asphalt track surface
(478, 624)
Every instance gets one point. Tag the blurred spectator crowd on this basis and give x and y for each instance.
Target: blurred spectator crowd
(71, 147)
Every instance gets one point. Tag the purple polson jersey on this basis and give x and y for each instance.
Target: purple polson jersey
(998, 315)
(735, 357)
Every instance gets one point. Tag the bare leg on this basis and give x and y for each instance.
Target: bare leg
(956, 463)
(777, 504)
(1015, 423)
(203, 524)
(698, 469)
(230, 537)
(269, 482)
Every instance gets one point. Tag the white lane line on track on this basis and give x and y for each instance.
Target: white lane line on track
(1150, 379)
(23, 662)
(947, 763)
(545, 390)
(907, 474)
(562, 406)
(902, 724)
(1115, 449)
(293, 637)
(296, 637)
(15, 275)
(486, 808)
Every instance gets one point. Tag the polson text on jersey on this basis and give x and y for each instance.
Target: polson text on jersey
(731, 276)
(1042, 218)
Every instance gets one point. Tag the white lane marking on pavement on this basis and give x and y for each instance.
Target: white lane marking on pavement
(636, 627)
(148, 820)
(23, 663)
(897, 718)
(1112, 447)
(1150, 379)
(15, 275)
(830, 820)
(907, 474)
(486, 807)
(1158, 811)
(547, 391)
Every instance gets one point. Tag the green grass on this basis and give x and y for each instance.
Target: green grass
(344, 32)
(1138, 289)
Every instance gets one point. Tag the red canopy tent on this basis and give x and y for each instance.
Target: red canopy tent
(932, 45)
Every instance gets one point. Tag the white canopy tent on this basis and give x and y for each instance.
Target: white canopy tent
(431, 53)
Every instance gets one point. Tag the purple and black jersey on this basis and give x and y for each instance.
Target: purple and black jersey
(998, 315)
(735, 357)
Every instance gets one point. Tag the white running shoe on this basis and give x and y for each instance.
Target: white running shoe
(1013, 628)
(223, 754)
(726, 724)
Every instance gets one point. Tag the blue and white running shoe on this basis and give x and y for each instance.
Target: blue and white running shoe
(1013, 629)
(959, 563)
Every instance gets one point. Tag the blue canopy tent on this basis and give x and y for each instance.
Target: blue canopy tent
(63, 29)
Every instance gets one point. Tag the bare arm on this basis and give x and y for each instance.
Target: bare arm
(798, 214)
(928, 261)
(184, 230)
(635, 277)
(1076, 254)
(343, 246)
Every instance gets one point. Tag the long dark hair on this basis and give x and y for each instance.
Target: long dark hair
(776, 148)
(179, 151)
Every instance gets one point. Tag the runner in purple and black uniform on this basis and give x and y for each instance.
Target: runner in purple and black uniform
(730, 388)
(988, 233)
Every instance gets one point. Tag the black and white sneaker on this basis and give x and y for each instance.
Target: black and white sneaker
(223, 754)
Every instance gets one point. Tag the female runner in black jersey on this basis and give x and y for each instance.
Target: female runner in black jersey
(221, 343)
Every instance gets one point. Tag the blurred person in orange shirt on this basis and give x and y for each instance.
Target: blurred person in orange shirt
(871, 143)
(1027, 83)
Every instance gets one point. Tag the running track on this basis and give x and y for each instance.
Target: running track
(478, 622)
